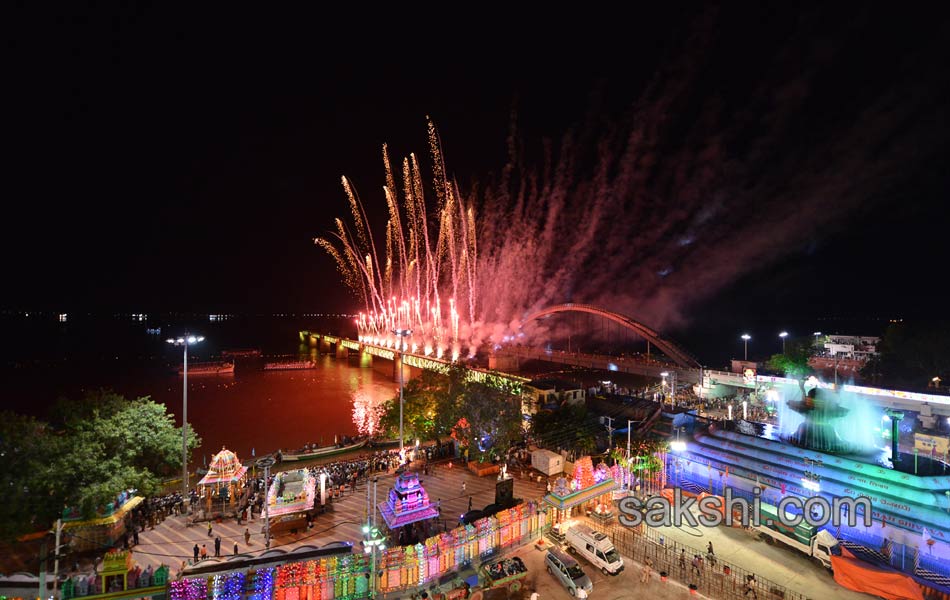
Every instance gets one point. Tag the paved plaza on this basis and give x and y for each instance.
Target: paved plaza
(173, 541)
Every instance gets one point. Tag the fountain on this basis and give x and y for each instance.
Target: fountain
(829, 445)
(817, 432)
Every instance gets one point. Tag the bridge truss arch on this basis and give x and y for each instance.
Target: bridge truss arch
(678, 355)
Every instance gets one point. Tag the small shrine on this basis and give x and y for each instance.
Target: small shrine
(407, 503)
(291, 492)
(589, 488)
(223, 482)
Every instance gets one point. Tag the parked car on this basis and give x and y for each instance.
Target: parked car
(596, 547)
(566, 570)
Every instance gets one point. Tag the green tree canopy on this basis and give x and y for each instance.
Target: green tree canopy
(435, 403)
(570, 427)
(794, 362)
(95, 448)
(428, 407)
(493, 416)
(911, 354)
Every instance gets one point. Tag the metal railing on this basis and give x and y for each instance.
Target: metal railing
(715, 579)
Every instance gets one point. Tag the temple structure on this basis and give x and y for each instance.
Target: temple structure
(224, 480)
(407, 502)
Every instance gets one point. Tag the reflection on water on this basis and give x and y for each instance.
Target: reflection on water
(251, 408)
(267, 410)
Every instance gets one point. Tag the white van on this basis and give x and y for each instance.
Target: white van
(596, 547)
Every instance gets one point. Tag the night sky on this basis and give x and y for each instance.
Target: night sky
(159, 162)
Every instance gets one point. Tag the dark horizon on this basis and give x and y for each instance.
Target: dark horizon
(161, 167)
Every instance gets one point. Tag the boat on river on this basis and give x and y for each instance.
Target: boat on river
(241, 353)
(293, 365)
(208, 368)
(305, 454)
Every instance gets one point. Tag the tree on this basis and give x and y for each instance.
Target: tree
(26, 450)
(428, 407)
(99, 446)
(569, 427)
(794, 362)
(493, 417)
(912, 354)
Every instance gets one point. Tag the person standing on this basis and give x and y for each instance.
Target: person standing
(247, 536)
(683, 560)
(217, 547)
(209, 528)
(696, 564)
(463, 487)
(235, 549)
(647, 571)
(196, 552)
(204, 551)
(750, 586)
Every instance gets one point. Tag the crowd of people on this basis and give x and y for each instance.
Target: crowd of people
(152, 512)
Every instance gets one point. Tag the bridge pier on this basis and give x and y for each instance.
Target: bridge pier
(342, 351)
(366, 359)
(324, 346)
(312, 340)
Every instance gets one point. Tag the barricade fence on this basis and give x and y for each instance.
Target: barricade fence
(719, 579)
(347, 576)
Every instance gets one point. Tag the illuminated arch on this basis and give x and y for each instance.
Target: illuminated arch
(674, 352)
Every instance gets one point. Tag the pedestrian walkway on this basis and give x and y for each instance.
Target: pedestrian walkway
(173, 540)
(778, 571)
(626, 585)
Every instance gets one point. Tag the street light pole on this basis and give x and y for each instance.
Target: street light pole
(745, 340)
(664, 375)
(402, 334)
(267, 462)
(629, 423)
(373, 540)
(185, 341)
(783, 335)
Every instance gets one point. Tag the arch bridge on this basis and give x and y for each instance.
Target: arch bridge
(677, 354)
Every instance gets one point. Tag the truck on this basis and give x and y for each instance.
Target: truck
(507, 573)
(596, 547)
(818, 544)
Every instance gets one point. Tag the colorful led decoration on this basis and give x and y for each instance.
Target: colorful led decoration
(344, 577)
(189, 589)
(263, 585)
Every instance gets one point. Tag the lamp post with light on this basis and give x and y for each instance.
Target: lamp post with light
(402, 334)
(266, 463)
(783, 335)
(664, 375)
(373, 540)
(184, 342)
(745, 340)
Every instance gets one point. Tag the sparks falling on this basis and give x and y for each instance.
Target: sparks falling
(427, 280)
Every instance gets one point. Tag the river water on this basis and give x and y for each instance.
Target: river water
(249, 409)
